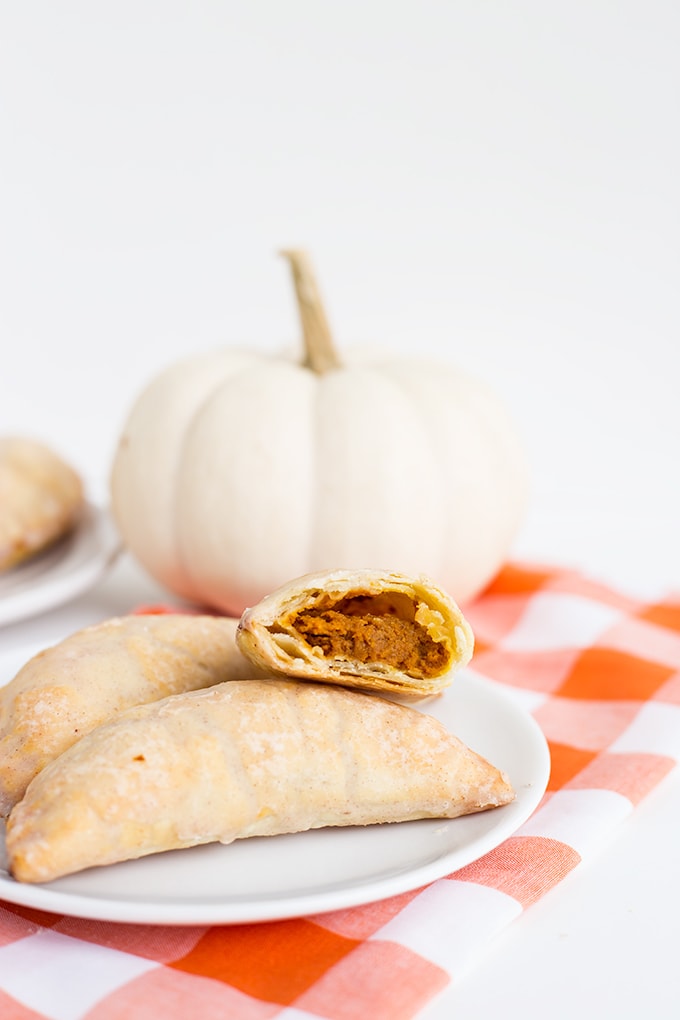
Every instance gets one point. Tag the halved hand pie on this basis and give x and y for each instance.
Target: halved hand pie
(369, 629)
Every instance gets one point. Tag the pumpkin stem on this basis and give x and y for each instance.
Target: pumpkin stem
(320, 353)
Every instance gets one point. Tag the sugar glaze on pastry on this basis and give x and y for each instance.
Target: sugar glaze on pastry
(65, 691)
(241, 759)
(363, 628)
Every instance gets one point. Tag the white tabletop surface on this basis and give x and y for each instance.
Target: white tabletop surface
(490, 183)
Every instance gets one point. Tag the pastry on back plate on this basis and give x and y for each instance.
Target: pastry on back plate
(41, 499)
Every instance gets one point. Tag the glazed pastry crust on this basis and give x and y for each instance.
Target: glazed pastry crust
(401, 634)
(65, 691)
(242, 759)
(41, 499)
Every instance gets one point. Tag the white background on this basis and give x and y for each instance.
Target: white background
(492, 182)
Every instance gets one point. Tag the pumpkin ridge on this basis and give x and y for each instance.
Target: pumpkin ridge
(316, 461)
(184, 560)
(383, 369)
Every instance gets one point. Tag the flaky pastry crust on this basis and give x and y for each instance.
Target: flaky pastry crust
(370, 629)
(65, 691)
(241, 759)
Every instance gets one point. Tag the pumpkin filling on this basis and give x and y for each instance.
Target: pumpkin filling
(374, 628)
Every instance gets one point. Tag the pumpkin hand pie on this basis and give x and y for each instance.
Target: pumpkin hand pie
(41, 499)
(378, 631)
(244, 758)
(67, 690)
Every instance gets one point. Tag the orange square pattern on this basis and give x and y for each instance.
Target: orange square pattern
(519, 579)
(665, 614)
(276, 962)
(565, 763)
(602, 674)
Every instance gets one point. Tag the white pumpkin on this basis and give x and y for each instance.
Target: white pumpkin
(236, 472)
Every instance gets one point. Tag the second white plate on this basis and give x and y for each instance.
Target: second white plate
(275, 877)
(63, 572)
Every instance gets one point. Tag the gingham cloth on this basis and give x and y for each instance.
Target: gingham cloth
(599, 670)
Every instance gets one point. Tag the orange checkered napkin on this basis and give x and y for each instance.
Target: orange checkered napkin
(599, 670)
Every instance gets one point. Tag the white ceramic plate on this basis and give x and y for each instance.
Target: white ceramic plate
(274, 877)
(61, 573)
